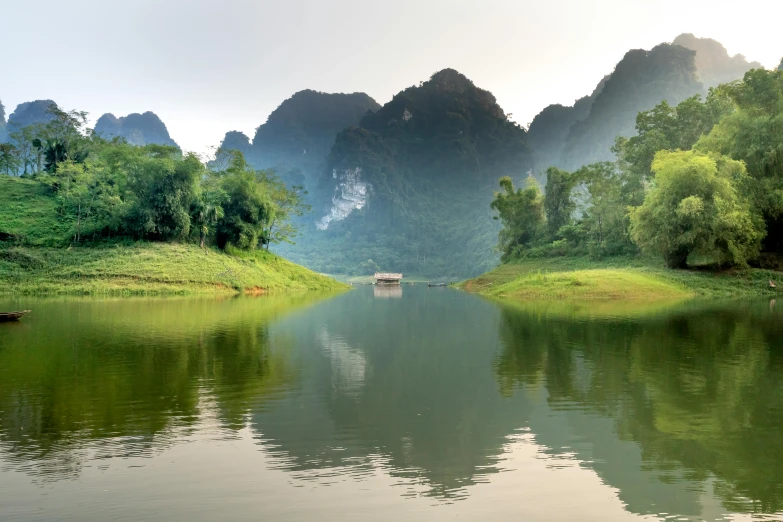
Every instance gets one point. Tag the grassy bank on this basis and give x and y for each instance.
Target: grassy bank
(150, 269)
(35, 258)
(619, 279)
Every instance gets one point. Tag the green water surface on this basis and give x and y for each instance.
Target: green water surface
(392, 405)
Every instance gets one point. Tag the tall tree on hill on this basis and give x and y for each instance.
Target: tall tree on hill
(163, 186)
(62, 138)
(288, 203)
(3, 130)
(697, 206)
(9, 161)
(558, 203)
(521, 211)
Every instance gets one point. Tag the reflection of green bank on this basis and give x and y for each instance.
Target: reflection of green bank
(86, 370)
(693, 395)
(577, 279)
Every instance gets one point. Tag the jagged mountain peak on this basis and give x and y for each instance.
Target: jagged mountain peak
(447, 102)
(713, 62)
(236, 140)
(450, 80)
(137, 129)
(318, 110)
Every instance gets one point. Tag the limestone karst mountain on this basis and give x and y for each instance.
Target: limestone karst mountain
(137, 129)
(297, 136)
(409, 187)
(29, 113)
(569, 137)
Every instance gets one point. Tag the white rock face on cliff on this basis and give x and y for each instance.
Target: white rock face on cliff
(350, 194)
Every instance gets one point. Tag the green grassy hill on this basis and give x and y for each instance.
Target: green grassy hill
(29, 214)
(614, 279)
(36, 257)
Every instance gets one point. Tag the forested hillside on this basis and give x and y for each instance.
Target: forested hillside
(407, 189)
(698, 183)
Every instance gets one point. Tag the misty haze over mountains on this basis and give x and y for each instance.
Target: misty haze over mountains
(407, 185)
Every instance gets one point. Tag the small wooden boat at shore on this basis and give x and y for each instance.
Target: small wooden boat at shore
(12, 316)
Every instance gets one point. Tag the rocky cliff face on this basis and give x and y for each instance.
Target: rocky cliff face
(137, 129)
(350, 194)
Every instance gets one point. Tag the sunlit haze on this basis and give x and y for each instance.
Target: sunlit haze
(206, 67)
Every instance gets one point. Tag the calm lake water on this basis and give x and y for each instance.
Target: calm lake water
(405, 404)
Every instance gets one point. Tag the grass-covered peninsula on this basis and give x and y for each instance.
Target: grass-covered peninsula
(38, 255)
(580, 279)
(151, 268)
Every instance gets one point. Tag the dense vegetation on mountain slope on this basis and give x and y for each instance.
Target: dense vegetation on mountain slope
(407, 189)
(699, 183)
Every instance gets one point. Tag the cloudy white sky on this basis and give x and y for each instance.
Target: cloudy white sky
(209, 66)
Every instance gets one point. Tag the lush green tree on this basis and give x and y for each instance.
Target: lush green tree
(604, 209)
(753, 133)
(288, 204)
(668, 128)
(208, 209)
(696, 205)
(26, 152)
(558, 203)
(9, 160)
(521, 212)
(3, 129)
(247, 211)
(62, 139)
(163, 187)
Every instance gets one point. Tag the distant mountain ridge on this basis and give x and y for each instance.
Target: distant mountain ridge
(569, 137)
(137, 129)
(297, 135)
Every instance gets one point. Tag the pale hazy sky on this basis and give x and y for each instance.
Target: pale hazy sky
(209, 66)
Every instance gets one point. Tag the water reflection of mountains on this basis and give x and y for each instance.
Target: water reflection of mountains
(670, 410)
